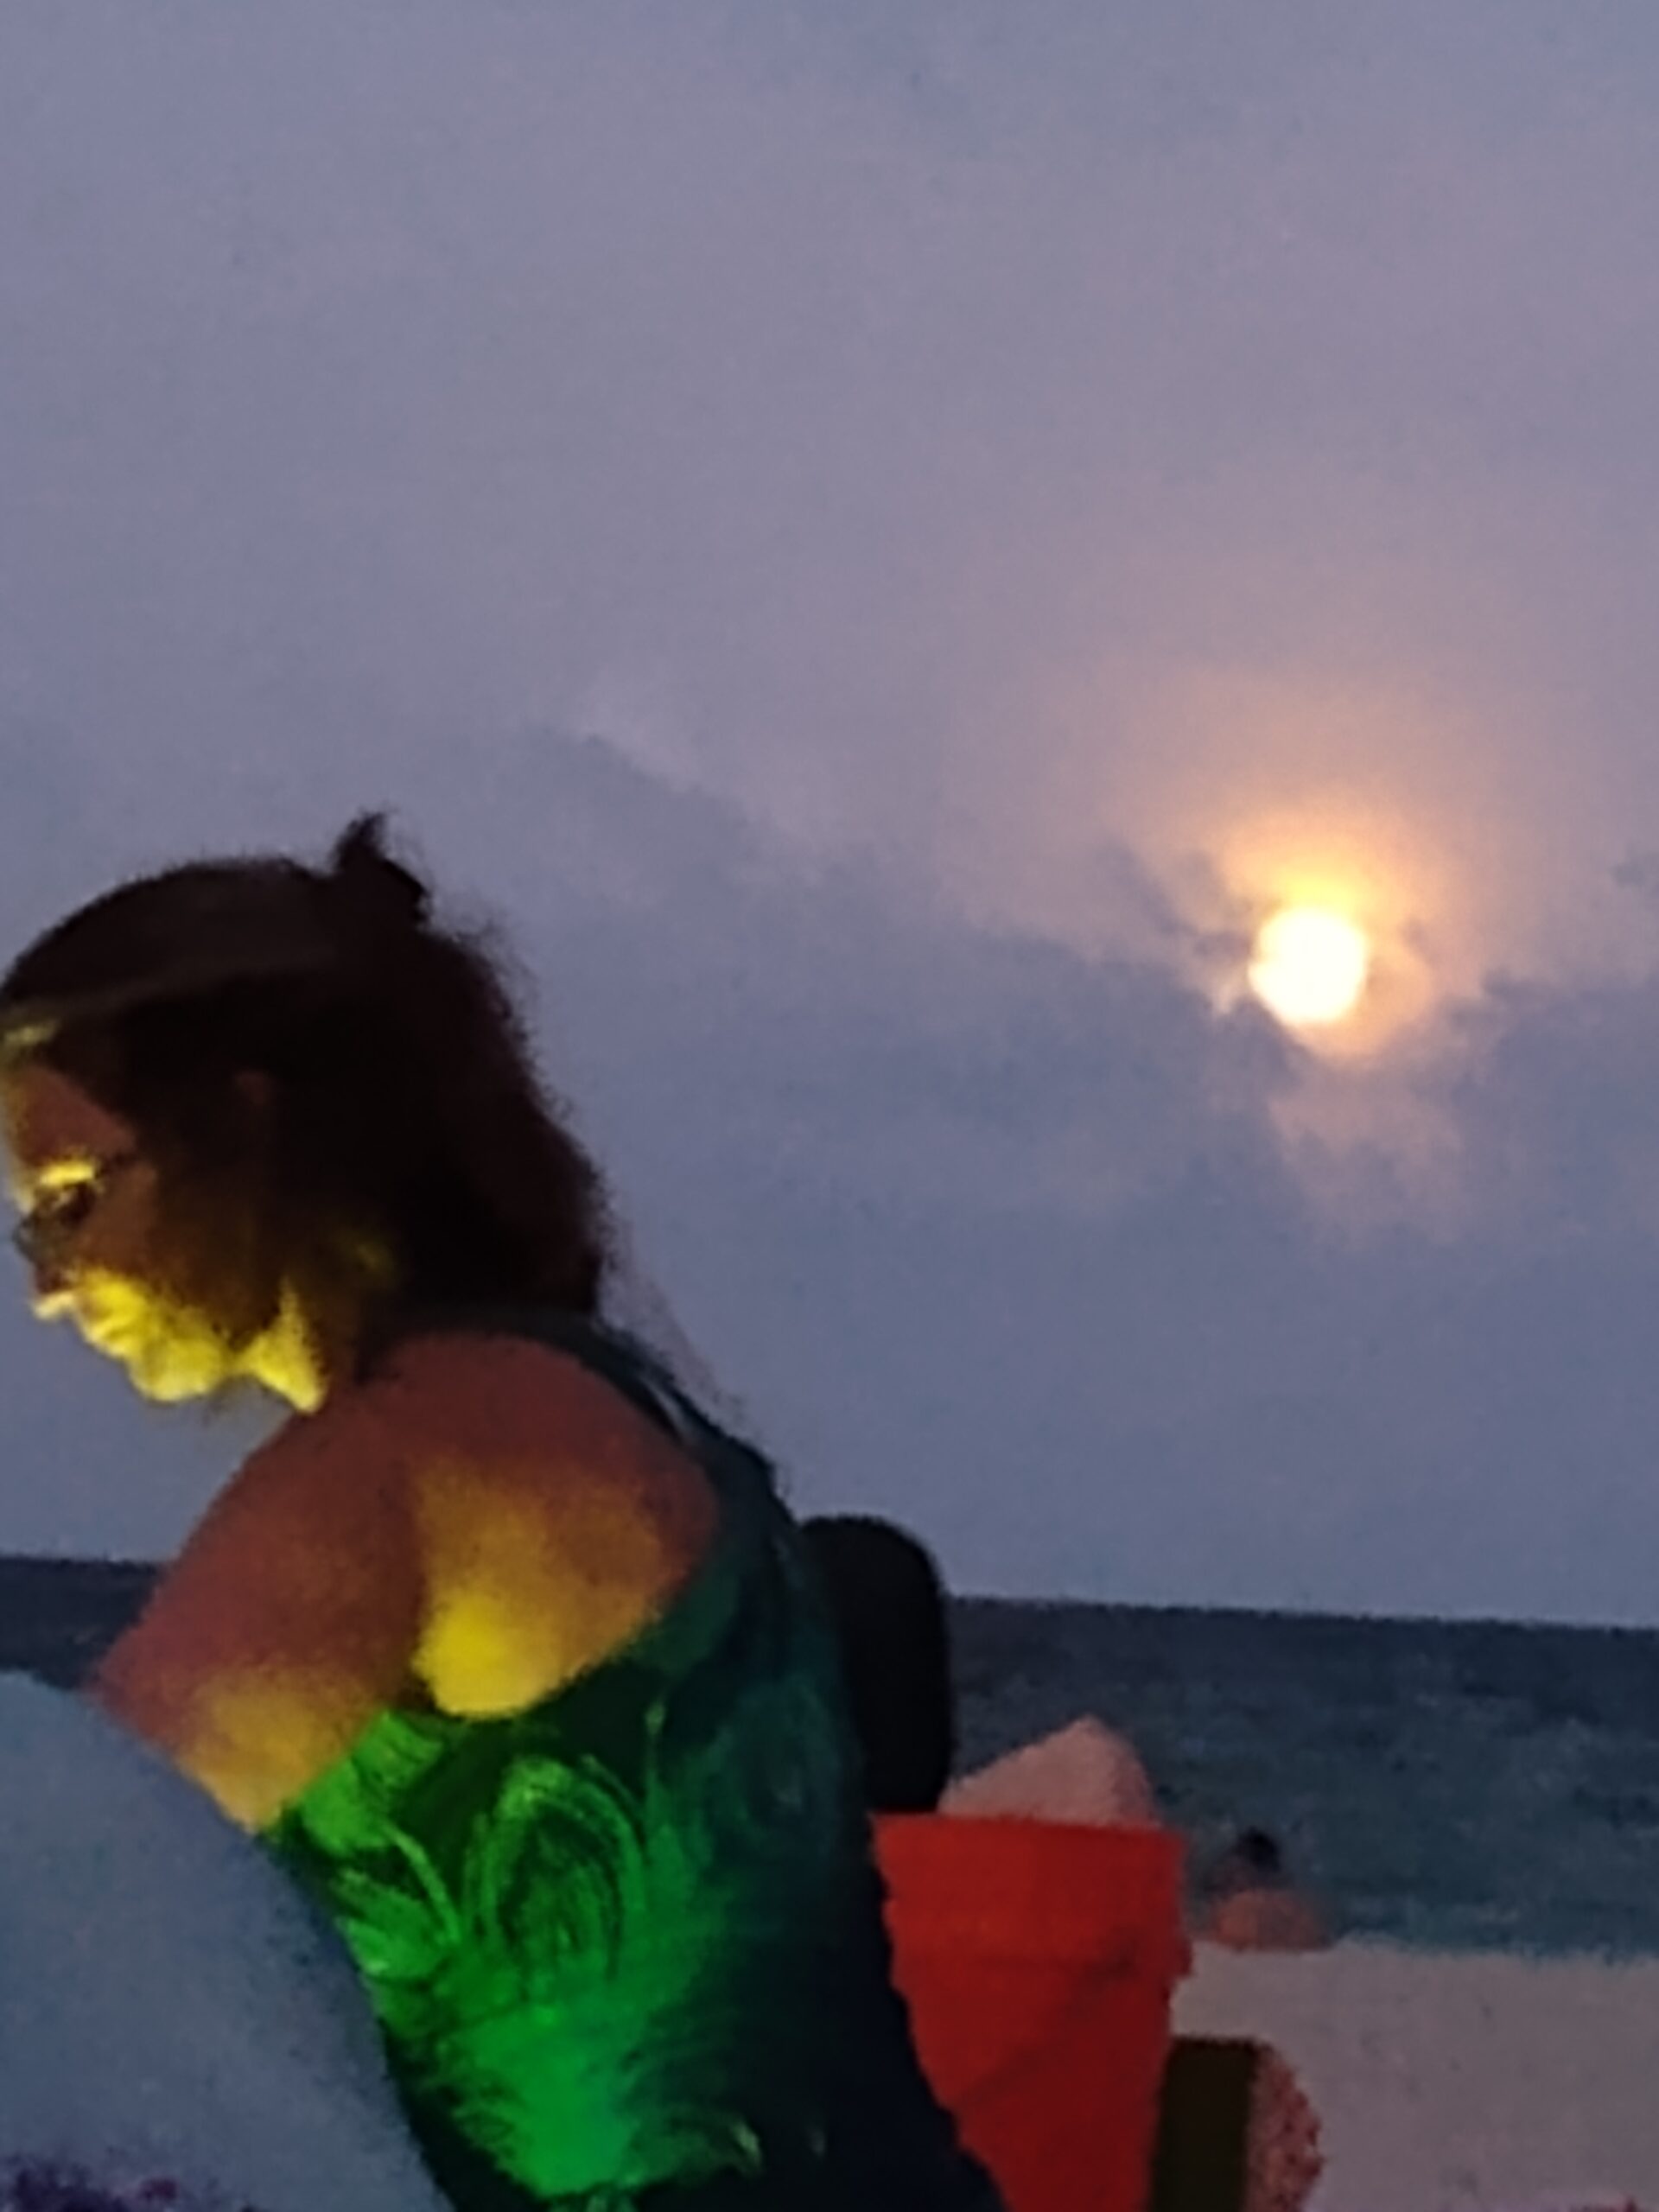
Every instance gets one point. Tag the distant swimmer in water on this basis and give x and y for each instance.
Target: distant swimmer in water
(1250, 1904)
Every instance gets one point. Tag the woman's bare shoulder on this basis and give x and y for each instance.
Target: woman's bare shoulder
(521, 1409)
(555, 1519)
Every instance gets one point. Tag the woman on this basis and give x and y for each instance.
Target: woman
(511, 1655)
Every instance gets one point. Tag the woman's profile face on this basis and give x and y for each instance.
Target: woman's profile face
(92, 1231)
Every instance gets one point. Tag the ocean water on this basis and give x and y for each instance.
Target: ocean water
(1457, 1785)
(1460, 1785)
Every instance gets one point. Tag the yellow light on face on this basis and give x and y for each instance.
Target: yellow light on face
(1310, 966)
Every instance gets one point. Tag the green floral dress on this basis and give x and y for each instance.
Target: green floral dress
(626, 1947)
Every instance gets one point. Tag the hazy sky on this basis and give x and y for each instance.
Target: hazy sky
(878, 539)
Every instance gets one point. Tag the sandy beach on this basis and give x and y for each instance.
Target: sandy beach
(1449, 2080)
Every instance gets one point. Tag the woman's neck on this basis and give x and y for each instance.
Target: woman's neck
(308, 1350)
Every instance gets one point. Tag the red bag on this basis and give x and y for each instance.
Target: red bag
(1037, 1961)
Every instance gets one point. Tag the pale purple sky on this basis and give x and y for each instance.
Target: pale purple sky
(874, 538)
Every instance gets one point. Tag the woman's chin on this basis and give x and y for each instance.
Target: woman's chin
(163, 1375)
(172, 1382)
(163, 1387)
(110, 1343)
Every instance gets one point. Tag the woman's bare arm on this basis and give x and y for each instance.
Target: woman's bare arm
(290, 1619)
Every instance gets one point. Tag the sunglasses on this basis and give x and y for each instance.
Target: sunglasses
(48, 1232)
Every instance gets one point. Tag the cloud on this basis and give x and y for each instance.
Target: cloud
(1557, 1089)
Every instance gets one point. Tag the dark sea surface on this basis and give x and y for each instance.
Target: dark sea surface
(1458, 1785)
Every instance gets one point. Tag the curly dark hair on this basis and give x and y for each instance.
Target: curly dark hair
(399, 1109)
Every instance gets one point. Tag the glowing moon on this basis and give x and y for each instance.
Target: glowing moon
(1310, 966)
